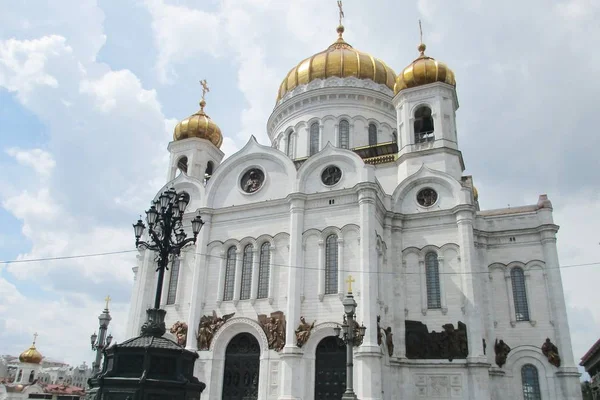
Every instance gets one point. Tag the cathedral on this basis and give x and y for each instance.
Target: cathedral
(362, 183)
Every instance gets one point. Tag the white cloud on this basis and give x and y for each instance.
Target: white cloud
(41, 161)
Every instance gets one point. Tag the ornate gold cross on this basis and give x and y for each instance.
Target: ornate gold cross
(350, 281)
(107, 299)
(35, 335)
(421, 31)
(341, 10)
(205, 88)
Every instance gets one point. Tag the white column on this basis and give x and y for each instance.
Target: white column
(341, 267)
(255, 273)
(511, 300)
(442, 275)
(237, 286)
(423, 276)
(336, 135)
(222, 271)
(321, 269)
(399, 303)
(198, 287)
(368, 356)
(291, 371)
(271, 273)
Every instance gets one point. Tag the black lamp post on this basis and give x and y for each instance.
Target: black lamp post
(101, 341)
(165, 232)
(351, 335)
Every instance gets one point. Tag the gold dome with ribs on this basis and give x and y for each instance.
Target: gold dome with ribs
(341, 60)
(422, 71)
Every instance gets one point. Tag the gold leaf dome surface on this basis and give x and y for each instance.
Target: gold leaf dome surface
(422, 71)
(199, 125)
(31, 355)
(341, 60)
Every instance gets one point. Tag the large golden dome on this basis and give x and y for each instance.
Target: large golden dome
(31, 355)
(341, 60)
(199, 125)
(422, 71)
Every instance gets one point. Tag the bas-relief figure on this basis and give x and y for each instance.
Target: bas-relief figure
(209, 325)
(551, 352)
(274, 328)
(389, 342)
(303, 332)
(180, 330)
(449, 344)
(501, 349)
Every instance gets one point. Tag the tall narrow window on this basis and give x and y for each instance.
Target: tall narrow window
(263, 271)
(290, 144)
(519, 294)
(531, 383)
(182, 164)
(344, 134)
(314, 138)
(246, 273)
(331, 264)
(229, 274)
(372, 134)
(395, 136)
(423, 125)
(432, 275)
(173, 278)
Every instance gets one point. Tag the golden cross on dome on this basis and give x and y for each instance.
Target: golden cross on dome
(422, 46)
(205, 88)
(107, 299)
(421, 32)
(339, 3)
(350, 281)
(35, 335)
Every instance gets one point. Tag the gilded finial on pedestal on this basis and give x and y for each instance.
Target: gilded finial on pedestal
(340, 28)
(107, 300)
(350, 281)
(205, 89)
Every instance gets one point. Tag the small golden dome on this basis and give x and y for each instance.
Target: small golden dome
(31, 355)
(422, 71)
(341, 60)
(199, 125)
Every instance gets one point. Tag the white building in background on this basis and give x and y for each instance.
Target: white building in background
(364, 177)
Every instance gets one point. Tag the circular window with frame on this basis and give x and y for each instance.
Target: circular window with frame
(427, 197)
(331, 175)
(252, 180)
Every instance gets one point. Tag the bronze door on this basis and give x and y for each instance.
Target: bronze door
(242, 364)
(330, 370)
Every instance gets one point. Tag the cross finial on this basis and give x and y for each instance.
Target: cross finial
(340, 6)
(35, 335)
(107, 299)
(422, 46)
(420, 32)
(350, 281)
(205, 88)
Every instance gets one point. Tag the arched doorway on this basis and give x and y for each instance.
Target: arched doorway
(330, 369)
(242, 364)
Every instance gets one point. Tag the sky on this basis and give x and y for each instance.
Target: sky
(90, 91)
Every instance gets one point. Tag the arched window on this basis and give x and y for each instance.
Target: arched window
(344, 139)
(173, 278)
(263, 271)
(331, 264)
(19, 375)
(182, 164)
(517, 278)
(290, 144)
(246, 273)
(432, 276)
(314, 138)
(208, 172)
(531, 383)
(372, 134)
(423, 125)
(229, 274)
(31, 376)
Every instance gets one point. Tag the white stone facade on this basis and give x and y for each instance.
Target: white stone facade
(383, 237)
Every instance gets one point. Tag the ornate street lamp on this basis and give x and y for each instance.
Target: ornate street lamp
(100, 342)
(165, 232)
(350, 334)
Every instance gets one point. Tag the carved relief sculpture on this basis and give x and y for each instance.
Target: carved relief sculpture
(303, 332)
(551, 353)
(180, 329)
(209, 325)
(274, 328)
(388, 336)
(449, 344)
(252, 180)
(502, 350)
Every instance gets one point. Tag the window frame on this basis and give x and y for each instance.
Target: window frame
(313, 140)
(344, 135)
(519, 291)
(372, 129)
(246, 281)
(531, 389)
(331, 264)
(432, 281)
(423, 135)
(229, 279)
(264, 271)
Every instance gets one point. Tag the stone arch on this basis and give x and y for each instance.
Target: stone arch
(319, 332)
(233, 327)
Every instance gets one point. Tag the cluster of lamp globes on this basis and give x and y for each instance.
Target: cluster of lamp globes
(167, 212)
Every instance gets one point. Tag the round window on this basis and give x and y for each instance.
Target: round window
(252, 180)
(331, 175)
(427, 197)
